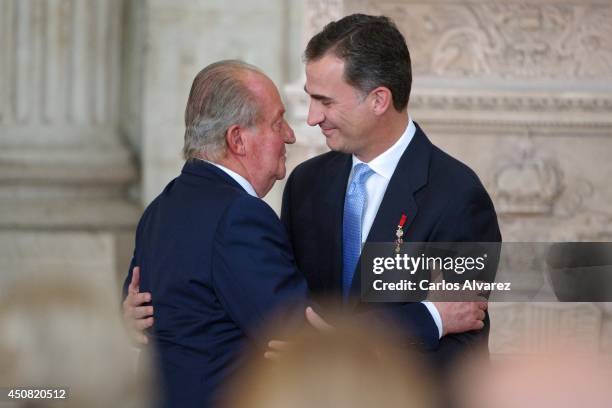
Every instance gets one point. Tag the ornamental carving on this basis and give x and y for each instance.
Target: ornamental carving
(527, 181)
(510, 103)
(493, 39)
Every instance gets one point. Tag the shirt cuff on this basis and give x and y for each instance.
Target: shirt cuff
(435, 315)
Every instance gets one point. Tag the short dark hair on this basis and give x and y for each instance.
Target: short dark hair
(373, 50)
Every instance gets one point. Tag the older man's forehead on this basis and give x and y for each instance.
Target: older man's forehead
(271, 108)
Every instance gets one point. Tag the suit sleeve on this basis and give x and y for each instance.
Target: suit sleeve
(410, 320)
(472, 219)
(254, 272)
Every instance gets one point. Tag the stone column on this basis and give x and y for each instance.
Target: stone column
(64, 169)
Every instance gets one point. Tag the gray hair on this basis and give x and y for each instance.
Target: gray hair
(219, 98)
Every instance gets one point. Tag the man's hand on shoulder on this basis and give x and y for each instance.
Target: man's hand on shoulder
(136, 316)
(460, 317)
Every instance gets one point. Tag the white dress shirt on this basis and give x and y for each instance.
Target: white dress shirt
(237, 178)
(383, 166)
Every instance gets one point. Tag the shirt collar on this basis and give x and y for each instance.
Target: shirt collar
(244, 183)
(385, 163)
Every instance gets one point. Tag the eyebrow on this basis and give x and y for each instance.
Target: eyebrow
(317, 96)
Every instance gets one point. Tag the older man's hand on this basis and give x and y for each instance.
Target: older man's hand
(136, 316)
(459, 317)
(277, 347)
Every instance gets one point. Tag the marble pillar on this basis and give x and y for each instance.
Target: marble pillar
(65, 170)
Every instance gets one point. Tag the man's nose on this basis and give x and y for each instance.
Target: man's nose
(315, 115)
(289, 134)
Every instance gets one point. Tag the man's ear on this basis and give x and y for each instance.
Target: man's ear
(381, 99)
(235, 140)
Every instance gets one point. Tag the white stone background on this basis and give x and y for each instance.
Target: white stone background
(92, 94)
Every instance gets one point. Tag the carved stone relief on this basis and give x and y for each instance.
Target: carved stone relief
(538, 103)
(526, 40)
(526, 180)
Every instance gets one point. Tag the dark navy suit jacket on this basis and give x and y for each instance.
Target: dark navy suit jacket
(444, 201)
(218, 264)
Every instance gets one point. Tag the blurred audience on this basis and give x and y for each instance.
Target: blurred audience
(58, 333)
(61, 333)
(350, 366)
(558, 379)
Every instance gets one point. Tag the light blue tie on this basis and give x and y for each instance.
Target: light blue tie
(354, 206)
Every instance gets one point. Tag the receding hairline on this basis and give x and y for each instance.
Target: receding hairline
(245, 73)
(254, 88)
(238, 70)
(234, 65)
(247, 77)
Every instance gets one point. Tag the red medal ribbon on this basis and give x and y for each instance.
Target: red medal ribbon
(402, 221)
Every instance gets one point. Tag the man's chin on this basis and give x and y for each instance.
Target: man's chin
(330, 142)
(335, 145)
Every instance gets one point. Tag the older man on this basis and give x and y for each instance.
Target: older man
(216, 257)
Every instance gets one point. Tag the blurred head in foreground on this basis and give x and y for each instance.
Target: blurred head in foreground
(558, 379)
(347, 367)
(61, 334)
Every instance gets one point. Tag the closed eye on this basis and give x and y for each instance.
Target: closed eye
(325, 100)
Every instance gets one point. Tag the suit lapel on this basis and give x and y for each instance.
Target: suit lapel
(330, 221)
(409, 176)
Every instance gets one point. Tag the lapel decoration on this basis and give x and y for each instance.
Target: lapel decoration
(400, 233)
